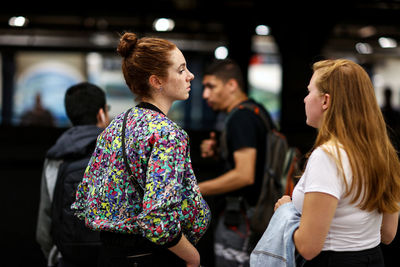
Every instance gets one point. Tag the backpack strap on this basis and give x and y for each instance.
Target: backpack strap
(268, 124)
(273, 136)
(138, 188)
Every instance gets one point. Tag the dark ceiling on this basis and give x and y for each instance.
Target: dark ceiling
(207, 19)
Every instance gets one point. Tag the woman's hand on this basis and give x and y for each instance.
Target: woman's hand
(283, 200)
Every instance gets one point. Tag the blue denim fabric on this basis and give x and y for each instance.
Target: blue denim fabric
(276, 247)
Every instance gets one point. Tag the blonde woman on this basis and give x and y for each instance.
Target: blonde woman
(349, 193)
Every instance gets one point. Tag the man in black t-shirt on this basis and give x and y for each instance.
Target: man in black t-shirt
(242, 147)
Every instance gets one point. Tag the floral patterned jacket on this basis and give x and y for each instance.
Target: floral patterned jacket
(158, 154)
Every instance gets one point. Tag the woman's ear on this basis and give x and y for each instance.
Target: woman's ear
(155, 82)
(327, 102)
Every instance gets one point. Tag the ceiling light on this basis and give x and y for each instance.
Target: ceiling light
(19, 21)
(262, 30)
(386, 42)
(163, 24)
(221, 52)
(101, 39)
(364, 48)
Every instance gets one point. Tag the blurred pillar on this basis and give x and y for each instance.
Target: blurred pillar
(239, 34)
(8, 70)
(300, 46)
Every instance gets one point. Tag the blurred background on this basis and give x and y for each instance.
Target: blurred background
(46, 47)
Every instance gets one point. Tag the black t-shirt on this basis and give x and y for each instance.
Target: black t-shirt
(246, 129)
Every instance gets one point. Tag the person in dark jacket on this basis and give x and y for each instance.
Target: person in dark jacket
(63, 169)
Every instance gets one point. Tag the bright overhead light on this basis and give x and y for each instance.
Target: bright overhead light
(364, 48)
(386, 42)
(19, 21)
(163, 24)
(262, 30)
(221, 52)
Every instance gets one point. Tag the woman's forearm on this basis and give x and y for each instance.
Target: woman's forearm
(186, 251)
(317, 214)
(389, 227)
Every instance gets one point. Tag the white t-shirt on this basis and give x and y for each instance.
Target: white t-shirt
(352, 229)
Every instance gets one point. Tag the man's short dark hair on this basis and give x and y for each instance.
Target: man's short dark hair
(226, 69)
(82, 103)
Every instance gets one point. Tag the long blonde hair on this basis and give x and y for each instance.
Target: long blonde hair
(354, 121)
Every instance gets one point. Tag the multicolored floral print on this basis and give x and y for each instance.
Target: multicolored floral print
(158, 154)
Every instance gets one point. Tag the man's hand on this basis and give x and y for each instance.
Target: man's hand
(208, 146)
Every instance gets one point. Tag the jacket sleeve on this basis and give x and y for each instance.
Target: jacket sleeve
(43, 227)
(162, 211)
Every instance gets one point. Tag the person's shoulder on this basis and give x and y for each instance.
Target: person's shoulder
(240, 117)
(167, 127)
(247, 112)
(330, 150)
(158, 123)
(244, 110)
(261, 106)
(319, 151)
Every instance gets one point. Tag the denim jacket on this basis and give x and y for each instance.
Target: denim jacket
(276, 247)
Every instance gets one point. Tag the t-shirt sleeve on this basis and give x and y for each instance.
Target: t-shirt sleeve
(322, 175)
(242, 130)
